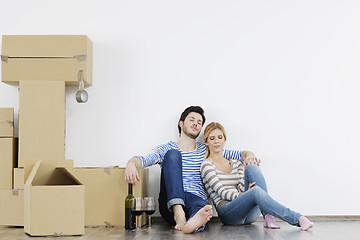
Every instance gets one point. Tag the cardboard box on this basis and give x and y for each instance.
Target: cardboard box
(18, 182)
(6, 122)
(41, 123)
(46, 57)
(7, 161)
(54, 201)
(105, 193)
(12, 207)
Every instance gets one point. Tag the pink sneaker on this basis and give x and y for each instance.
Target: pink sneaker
(305, 223)
(270, 222)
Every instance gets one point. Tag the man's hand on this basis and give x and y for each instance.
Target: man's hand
(252, 160)
(131, 172)
(249, 158)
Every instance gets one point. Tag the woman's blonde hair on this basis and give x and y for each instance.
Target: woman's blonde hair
(209, 128)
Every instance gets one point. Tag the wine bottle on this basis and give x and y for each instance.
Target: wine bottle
(129, 216)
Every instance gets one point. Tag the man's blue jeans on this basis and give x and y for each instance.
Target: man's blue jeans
(246, 208)
(172, 191)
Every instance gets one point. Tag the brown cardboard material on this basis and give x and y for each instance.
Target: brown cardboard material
(54, 201)
(105, 192)
(6, 122)
(7, 159)
(46, 57)
(18, 182)
(12, 207)
(41, 123)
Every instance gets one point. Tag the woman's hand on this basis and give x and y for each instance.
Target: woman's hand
(251, 185)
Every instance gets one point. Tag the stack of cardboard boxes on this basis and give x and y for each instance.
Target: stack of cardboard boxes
(41, 190)
(11, 200)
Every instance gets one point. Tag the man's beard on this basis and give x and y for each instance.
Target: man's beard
(191, 135)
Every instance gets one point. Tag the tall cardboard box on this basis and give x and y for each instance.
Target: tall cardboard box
(6, 122)
(7, 161)
(54, 201)
(41, 123)
(46, 57)
(12, 207)
(105, 192)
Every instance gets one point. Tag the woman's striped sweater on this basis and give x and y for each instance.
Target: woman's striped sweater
(223, 187)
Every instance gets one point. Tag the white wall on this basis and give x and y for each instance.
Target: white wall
(281, 76)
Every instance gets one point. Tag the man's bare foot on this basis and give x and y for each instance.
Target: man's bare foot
(180, 222)
(179, 217)
(198, 220)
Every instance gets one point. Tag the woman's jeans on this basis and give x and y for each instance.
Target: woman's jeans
(172, 191)
(246, 208)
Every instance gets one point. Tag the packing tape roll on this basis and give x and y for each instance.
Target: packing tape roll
(82, 96)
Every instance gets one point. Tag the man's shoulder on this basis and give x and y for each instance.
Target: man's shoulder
(168, 145)
(200, 145)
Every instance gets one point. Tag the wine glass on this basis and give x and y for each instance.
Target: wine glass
(137, 209)
(149, 209)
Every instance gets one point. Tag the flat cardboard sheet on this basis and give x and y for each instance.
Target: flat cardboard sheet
(18, 182)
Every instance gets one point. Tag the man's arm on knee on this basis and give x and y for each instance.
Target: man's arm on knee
(131, 171)
(249, 158)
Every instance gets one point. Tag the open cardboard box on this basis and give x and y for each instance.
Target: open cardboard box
(46, 57)
(54, 201)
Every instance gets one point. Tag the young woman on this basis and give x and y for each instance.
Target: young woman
(239, 191)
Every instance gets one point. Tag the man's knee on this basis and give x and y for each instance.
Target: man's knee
(172, 156)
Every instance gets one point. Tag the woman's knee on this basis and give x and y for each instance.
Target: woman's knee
(253, 215)
(258, 192)
(252, 168)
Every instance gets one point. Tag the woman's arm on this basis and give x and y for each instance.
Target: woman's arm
(241, 171)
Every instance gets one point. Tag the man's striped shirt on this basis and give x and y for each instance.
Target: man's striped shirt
(191, 161)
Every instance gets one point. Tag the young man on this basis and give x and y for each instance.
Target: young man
(182, 194)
